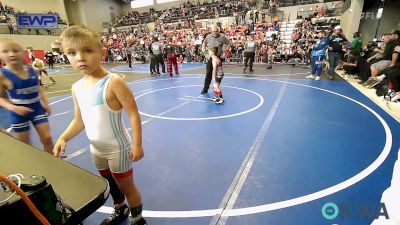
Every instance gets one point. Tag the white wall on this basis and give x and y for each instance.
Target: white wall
(39, 42)
(127, 8)
(370, 24)
(38, 6)
(92, 12)
(74, 12)
(98, 11)
(350, 20)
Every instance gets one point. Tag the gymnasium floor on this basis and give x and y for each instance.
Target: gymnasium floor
(275, 152)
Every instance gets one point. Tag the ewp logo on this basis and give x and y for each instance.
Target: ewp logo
(37, 21)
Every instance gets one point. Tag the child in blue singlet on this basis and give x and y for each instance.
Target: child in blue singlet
(25, 99)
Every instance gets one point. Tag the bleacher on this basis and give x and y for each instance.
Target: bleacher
(208, 13)
(288, 3)
(286, 31)
(326, 23)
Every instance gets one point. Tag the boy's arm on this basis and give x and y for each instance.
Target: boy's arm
(125, 97)
(74, 128)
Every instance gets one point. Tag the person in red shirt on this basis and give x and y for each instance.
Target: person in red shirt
(171, 58)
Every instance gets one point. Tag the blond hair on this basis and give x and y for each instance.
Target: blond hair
(8, 41)
(78, 34)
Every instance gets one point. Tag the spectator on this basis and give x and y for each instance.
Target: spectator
(356, 43)
(389, 58)
(336, 42)
(351, 65)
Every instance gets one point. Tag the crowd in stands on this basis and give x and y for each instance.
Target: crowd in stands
(188, 39)
(186, 11)
(375, 64)
(179, 23)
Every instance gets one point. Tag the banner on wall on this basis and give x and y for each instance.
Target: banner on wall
(37, 21)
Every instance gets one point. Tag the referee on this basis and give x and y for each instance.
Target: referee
(128, 51)
(249, 53)
(215, 39)
(157, 49)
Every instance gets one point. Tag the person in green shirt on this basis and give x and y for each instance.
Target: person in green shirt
(356, 44)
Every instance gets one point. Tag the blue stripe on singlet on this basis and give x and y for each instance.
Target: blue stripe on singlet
(115, 131)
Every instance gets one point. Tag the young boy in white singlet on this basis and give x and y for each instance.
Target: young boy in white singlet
(99, 98)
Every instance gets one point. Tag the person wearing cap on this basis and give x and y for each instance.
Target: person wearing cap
(336, 41)
(389, 59)
(157, 49)
(249, 53)
(393, 75)
(215, 39)
(356, 44)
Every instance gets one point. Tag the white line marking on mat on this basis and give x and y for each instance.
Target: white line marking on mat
(234, 189)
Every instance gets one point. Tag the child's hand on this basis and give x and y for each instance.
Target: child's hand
(22, 110)
(59, 148)
(136, 153)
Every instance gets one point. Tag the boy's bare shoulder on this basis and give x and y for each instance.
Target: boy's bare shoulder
(117, 79)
